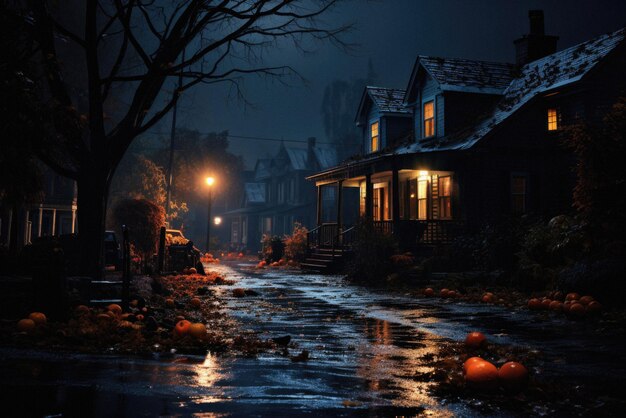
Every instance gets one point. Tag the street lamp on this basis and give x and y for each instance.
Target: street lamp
(217, 220)
(209, 182)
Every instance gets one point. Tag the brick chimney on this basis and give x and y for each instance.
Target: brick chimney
(536, 44)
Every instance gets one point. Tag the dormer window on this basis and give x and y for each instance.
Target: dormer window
(374, 137)
(553, 119)
(429, 119)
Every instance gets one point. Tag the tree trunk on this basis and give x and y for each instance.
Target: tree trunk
(92, 205)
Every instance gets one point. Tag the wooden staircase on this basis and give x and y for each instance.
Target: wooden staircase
(325, 260)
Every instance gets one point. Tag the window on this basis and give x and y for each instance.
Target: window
(422, 199)
(445, 197)
(518, 193)
(429, 119)
(281, 192)
(553, 119)
(375, 142)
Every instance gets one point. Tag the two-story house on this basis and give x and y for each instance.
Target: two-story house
(277, 194)
(468, 141)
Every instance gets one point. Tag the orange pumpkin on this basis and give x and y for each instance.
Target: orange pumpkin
(452, 294)
(104, 317)
(471, 362)
(534, 304)
(444, 292)
(513, 376)
(169, 302)
(26, 325)
(429, 292)
(115, 308)
(488, 298)
(572, 296)
(81, 310)
(182, 327)
(594, 307)
(475, 339)
(192, 270)
(556, 306)
(195, 302)
(197, 330)
(38, 317)
(576, 309)
(239, 292)
(585, 300)
(481, 374)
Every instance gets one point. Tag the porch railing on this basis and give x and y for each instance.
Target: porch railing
(409, 232)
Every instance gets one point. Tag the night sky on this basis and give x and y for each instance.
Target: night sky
(391, 33)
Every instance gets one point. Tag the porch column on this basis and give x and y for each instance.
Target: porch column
(319, 205)
(369, 197)
(73, 219)
(395, 196)
(54, 222)
(40, 221)
(339, 204)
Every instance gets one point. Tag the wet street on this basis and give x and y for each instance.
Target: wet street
(365, 346)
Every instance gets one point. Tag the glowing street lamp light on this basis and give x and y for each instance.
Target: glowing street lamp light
(209, 182)
(217, 220)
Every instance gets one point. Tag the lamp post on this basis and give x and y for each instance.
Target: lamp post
(209, 182)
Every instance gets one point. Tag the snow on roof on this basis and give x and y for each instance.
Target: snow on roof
(388, 100)
(471, 76)
(297, 158)
(255, 192)
(557, 70)
(326, 157)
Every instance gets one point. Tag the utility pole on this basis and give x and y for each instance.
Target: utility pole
(170, 165)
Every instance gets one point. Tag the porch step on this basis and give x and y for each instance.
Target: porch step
(324, 261)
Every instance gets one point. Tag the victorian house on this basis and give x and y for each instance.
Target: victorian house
(468, 142)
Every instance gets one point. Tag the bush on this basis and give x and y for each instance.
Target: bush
(296, 244)
(143, 219)
(272, 248)
(373, 250)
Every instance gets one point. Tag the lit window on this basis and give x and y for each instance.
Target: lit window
(375, 143)
(422, 199)
(553, 120)
(429, 119)
(445, 197)
(518, 193)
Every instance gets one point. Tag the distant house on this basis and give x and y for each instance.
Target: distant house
(470, 141)
(54, 216)
(277, 194)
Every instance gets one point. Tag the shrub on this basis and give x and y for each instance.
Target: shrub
(296, 244)
(272, 248)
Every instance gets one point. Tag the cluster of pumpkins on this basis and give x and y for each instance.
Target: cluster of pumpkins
(482, 374)
(571, 304)
(193, 329)
(34, 320)
(445, 293)
(261, 264)
(208, 258)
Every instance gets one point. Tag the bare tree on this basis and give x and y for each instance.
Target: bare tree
(136, 46)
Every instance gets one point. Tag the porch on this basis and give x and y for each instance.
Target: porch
(417, 206)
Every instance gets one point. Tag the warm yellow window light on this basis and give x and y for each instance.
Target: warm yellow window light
(553, 120)
(429, 119)
(423, 173)
(210, 181)
(375, 137)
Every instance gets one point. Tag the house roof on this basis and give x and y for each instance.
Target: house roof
(255, 192)
(297, 158)
(554, 71)
(262, 168)
(386, 100)
(326, 157)
(469, 76)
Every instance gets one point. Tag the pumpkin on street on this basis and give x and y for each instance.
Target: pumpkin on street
(26, 325)
(38, 317)
(475, 339)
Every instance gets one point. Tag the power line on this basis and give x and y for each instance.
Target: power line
(252, 138)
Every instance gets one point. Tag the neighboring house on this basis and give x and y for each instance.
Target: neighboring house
(277, 195)
(55, 215)
(468, 142)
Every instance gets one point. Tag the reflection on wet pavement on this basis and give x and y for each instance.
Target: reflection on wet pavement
(366, 348)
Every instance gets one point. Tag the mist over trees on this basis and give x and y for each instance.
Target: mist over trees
(341, 99)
